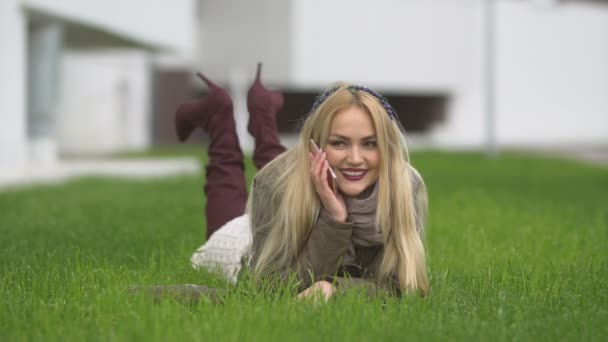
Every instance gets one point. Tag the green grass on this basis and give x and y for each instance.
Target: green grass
(517, 250)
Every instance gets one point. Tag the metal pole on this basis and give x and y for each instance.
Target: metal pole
(490, 77)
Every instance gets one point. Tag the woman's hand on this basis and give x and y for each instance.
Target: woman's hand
(319, 290)
(333, 203)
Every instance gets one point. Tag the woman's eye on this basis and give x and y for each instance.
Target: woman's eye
(371, 143)
(337, 143)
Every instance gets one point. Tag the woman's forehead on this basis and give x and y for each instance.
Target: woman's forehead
(352, 122)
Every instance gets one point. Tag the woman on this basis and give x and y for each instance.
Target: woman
(368, 234)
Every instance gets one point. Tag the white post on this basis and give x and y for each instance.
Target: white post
(45, 41)
(489, 102)
(12, 85)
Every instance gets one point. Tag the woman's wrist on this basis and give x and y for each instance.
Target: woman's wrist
(340, 218)
(341, 222)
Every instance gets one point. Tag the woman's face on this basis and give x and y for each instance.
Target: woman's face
(352, 150)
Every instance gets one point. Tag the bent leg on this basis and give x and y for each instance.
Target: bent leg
(267, 146)
(225, 187)
(263, 106)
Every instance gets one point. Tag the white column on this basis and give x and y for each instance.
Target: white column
(489, 7)
(12, 83)
(45, 40)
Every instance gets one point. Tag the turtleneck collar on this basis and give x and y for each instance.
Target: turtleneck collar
(362, 213)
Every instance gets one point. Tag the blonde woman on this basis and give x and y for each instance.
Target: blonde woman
(364, 233)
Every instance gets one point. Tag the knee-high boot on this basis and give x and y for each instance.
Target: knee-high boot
(263, 106)
(225, 188)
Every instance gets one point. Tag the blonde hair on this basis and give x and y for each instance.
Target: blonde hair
(299, 205)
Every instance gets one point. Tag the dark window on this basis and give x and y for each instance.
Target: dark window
(417, 112)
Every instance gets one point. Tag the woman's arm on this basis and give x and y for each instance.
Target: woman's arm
(323, 250)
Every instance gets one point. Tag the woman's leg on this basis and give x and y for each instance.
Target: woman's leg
(263, 106)
(225, 188)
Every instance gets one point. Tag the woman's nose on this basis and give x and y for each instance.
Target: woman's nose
(355, 155)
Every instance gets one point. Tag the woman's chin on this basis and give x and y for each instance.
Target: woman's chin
(352, 190)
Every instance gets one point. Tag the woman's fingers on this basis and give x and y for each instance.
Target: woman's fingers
(332, 202)
(315, 166)
(321, 174)
(312, 163)
(315, 162)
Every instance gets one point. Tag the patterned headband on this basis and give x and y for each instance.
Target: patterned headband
(353, 89)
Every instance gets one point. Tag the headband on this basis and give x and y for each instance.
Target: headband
(353, 89)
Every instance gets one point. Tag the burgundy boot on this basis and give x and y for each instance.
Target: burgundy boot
(198, 113)
(263, 106)
(225, 188)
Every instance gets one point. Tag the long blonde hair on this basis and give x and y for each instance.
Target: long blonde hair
(299, 205)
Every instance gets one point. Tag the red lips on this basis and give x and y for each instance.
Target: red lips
(353, 174)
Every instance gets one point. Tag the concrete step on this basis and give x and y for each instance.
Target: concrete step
(63, 170)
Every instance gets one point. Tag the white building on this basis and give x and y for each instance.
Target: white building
(551, 59)
(76, 74)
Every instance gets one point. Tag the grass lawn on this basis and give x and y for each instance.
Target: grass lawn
(517, 249)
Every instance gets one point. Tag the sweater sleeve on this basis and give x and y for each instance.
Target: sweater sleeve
(367, 286)
(367, 282)
(323, 251)
(320, 255)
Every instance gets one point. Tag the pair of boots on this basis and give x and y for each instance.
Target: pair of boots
(225, 188)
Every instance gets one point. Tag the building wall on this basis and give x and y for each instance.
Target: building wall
(12, 83)
(402, 46)
(552, 73)
(236, 34)
(110, 113)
